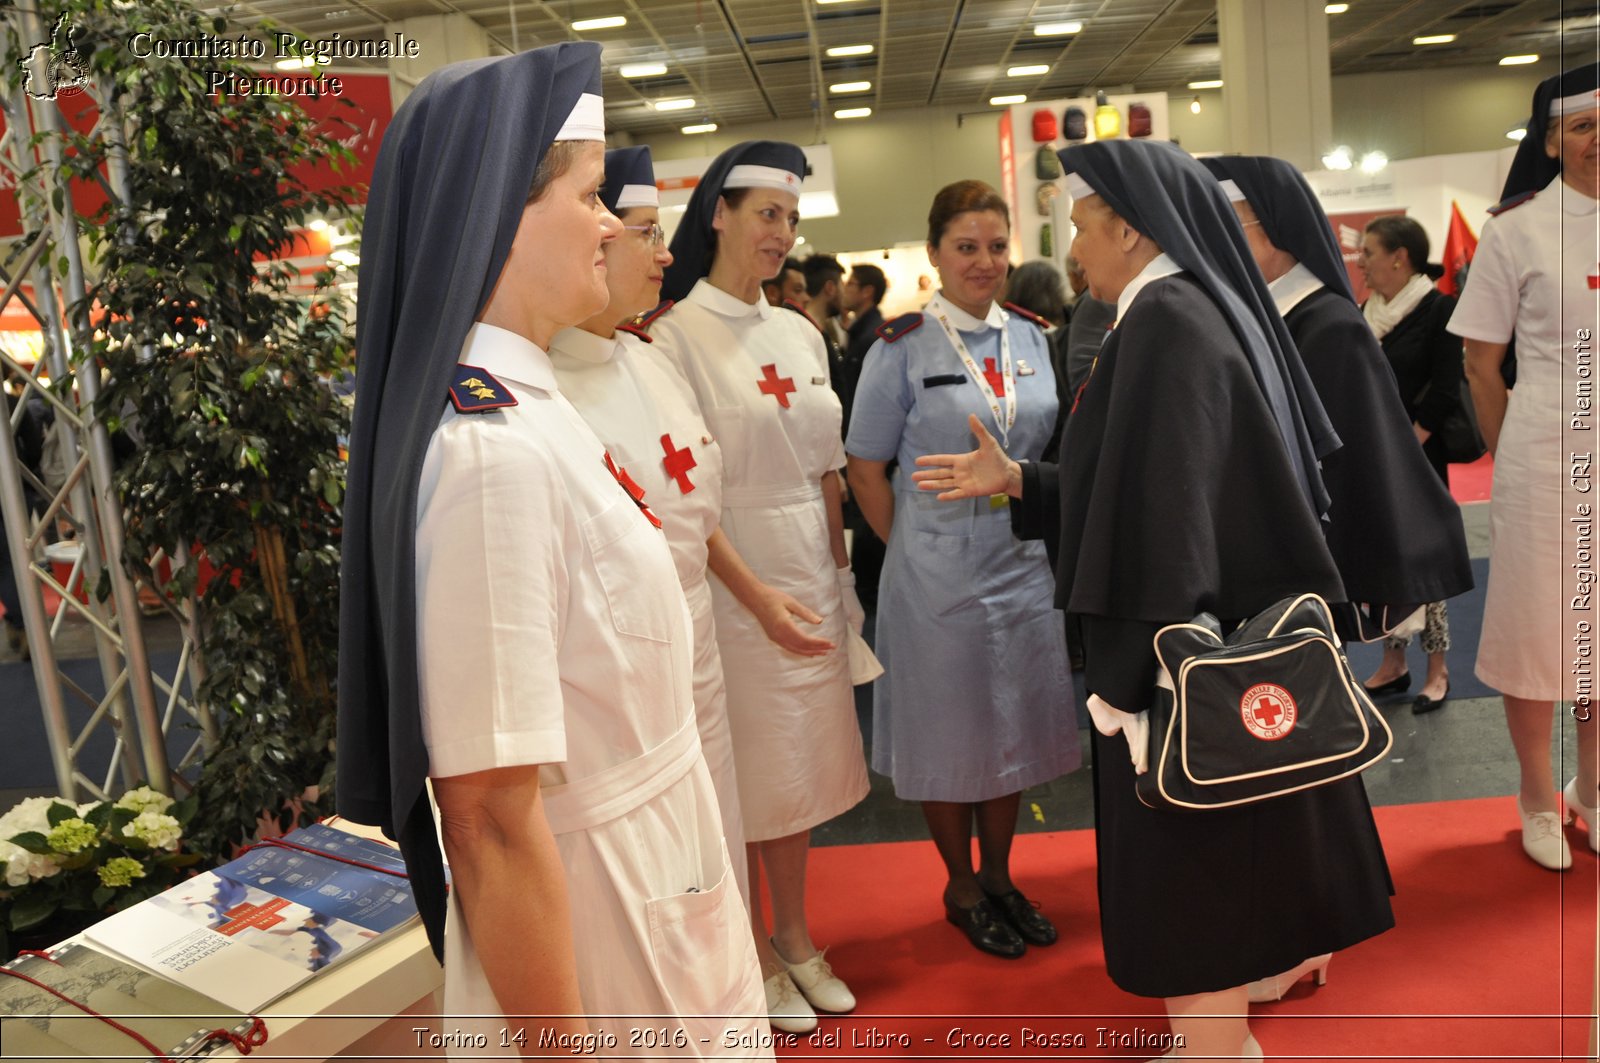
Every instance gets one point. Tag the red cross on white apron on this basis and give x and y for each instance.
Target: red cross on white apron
(778, 387)
(630, 485)
(678, 463)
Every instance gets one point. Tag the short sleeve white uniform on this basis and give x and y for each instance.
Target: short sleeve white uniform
(1534, 277)
(761, 378)
(646, 417)
(552, 631)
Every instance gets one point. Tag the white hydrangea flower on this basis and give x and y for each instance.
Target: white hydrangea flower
(29, 814)
(155, 830)
(145, 799)
(23, 867)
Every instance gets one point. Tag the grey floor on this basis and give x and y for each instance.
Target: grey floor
(1460, 751)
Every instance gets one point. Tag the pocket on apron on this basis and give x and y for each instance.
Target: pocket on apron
(706, 963)
(611, 536)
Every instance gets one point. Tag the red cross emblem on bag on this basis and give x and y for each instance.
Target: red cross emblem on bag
(630, 485)
(1269, 711)
(778, 387)
(678, 463)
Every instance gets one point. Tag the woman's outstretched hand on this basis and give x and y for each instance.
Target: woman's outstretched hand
(977, 474)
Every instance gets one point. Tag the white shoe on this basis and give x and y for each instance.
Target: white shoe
(787, 1010)
(1588, 813)
(1269, 989)
(824, 990)
(1251, 1050)
(1542, 839)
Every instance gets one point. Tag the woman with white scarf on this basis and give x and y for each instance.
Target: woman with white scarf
(1408, 315)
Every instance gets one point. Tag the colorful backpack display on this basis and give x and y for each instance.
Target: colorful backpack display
(1044, 126)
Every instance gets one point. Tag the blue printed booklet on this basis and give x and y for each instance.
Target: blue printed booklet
(258, 926)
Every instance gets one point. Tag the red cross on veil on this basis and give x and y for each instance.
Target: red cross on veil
(778, 387)
(996, 379)
(630, 485)
(678, 463)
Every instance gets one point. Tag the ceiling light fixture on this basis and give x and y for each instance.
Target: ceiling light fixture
(1373, 161)
(1194, 105)
(1006, 101)
(1205, 84)
(1056, 29)
(296, 62)
(1028, 71)
(1517, 133)
(850, 49)
(1518, 60)
(1437, 38)
(825, 3)
(682, 104)
(853, 112)
(1335, 9)
(643, 70)
(610, 22)
(706, 127)
(851, 86)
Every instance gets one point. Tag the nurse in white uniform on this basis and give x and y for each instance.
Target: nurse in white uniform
(783, 595)
(538, 657)
(644, 413)
(1535, 278)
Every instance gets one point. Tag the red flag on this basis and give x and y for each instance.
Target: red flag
(1459, 247)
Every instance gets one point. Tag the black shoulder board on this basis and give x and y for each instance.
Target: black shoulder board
(474, 390)
(790, 304)
(1511, 201)
(890, 331)
(1022, 311)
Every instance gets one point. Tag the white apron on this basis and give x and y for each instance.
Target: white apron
(761, 379)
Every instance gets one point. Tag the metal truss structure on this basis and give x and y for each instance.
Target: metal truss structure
(139, 707)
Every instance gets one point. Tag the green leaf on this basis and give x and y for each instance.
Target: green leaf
(32, 907)
(59, 813)
(33, 842)
(102, 896)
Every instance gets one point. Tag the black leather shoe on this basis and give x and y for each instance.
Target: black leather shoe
(1024, 917)
(1398, 685)
(1426, 704)
(987, 929)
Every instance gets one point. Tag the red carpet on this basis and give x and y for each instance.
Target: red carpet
(1470, 483)
(1488, 955)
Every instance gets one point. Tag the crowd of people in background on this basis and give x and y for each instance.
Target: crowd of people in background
(597, 588)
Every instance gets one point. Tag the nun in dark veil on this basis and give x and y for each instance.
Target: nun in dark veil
(481, 646)
(1393, 529)
(1189, 484)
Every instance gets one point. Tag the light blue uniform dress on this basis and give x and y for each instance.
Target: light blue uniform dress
(976, 701)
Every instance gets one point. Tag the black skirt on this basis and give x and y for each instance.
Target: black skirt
(1206, 901)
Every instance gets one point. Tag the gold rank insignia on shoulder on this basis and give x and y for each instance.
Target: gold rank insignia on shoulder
(475, 390)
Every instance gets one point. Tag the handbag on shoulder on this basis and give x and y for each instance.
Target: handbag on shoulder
(1459, 435)
(1272, 709)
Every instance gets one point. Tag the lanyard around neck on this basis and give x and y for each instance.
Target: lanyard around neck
(1002, 407)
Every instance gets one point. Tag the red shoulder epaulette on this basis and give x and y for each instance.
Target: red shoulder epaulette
(642, 322)
(790, 304)
(1511, 201)
(890, 331)
(474, 390)
(1022, 311)
(634, 330)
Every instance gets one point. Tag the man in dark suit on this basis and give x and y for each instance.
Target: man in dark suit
(863, 291)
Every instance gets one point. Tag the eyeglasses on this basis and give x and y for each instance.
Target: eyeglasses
(654, 234)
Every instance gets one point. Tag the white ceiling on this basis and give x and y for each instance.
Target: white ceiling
(747, 61)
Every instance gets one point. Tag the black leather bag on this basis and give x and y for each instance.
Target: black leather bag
(1272, 709)
(1459, 436)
